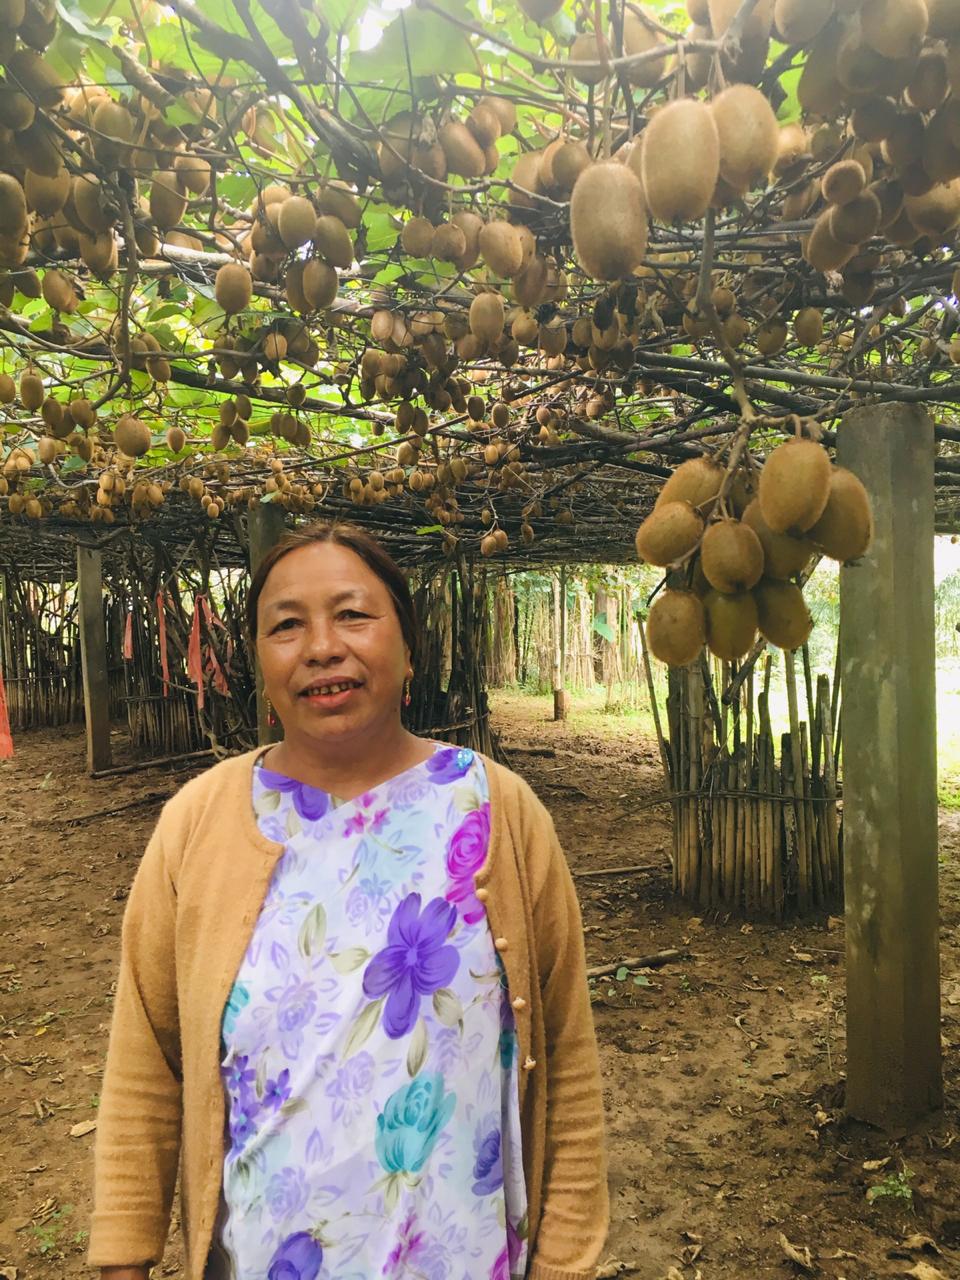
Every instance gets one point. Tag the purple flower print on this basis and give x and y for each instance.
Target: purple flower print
(277, 1092)
(488, 1166)
(287, 1193)
(239, 1074)
(501, 1266)
(243, 1120)
(310, 802)
(354, 826)
(466, 854)
(296, 1005)
(408, 1249)
(299, 1257)
(350, 1086)
(414, 963)
(449, 764)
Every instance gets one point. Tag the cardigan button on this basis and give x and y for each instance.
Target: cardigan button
(482, 894)
(501, 944)
(529, 1064)
(519, 1003)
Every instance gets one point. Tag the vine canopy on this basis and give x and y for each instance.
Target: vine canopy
(484, 271)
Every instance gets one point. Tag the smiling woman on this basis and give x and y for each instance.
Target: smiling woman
(352, 998)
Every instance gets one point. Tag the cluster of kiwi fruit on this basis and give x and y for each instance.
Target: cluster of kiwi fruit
(739, 544)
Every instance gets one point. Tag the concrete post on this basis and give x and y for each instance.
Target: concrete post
(887, 633)
(93, 658)
(265, 527)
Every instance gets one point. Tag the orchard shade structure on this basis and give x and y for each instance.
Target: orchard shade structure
(480, 276)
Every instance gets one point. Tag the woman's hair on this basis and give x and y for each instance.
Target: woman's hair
(356, 540)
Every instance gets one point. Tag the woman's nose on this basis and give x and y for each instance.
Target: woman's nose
(323, 641)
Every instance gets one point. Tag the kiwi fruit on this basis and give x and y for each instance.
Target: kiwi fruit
(8, 389)
(31, 391)
(530, 286)
(58, 291)
(782, 613)
(808, 326)
(676, 627)
(233, 287)
(319, 284)
(17, 110)
(13, 206)
(332, 241)
(894, 28)
(800, 21)
(484, 123)
(464, 155)
(696, 481)
(748, 136)
(904, 140)
(669, 534)
(167, 203)
(526, 176)
(771, 336)
(928, 84)
(857, 220)
(937, 211)
(731, 556)
(722, 12)
(487, 317)
(794, 486)
(822, 250)
(680, 192)
(112, 132)
(132, 436)
(586, 49)
(567, 163)
(784, 556)
(608, 221)
(639, 37)
(793, 149)
(193, 172)
(82, 412)
(297, 220)
(46, 196)
(845, 529)
(873, 119)
(501, 248)
(470, 225)
(843, 181)
(416, 238)
(31, 73)
(731, 624)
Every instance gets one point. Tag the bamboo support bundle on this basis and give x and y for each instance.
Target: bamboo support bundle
(756, 825)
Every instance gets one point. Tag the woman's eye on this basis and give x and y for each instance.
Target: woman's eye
(352, 613)
(286, 625)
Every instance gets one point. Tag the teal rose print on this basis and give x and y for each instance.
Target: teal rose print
(411, 1122)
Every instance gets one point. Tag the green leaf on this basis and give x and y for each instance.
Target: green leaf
(430, 528)
(621, 973)
(270, 497)
(417, 44)
(447, 1007)
(641, 980)
(603, 628)
(349, 960)
(73, 463)
(363, 1028)
(417, 1052)
(78, 21)
(313, 931)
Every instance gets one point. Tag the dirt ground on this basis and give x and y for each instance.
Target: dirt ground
(723, 1073)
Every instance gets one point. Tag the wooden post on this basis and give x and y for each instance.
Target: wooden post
(557, 624)
(894, 1073)
(93, 658)
(265, 527)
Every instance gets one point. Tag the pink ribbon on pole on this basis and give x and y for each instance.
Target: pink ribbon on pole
(6, 737)
(128, 638)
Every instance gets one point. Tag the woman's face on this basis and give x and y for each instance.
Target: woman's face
(330, 645)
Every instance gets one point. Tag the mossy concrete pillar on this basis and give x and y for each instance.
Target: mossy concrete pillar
(894, 1075)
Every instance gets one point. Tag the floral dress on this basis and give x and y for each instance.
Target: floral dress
(368, 1048)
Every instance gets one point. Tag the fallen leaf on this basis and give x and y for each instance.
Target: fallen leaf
(8, 1273)
(871, 1166)
(924, 1271)
(83, 1128)
(919, 1244)
(673, 1274)
(834, 922)
(803, 956)
(800, 1257)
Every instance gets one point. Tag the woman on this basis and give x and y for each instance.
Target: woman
(352, 998)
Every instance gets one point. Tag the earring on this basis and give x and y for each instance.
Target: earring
(271, 714)
(407, 699)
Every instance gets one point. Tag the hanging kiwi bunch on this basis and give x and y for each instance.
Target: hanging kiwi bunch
(744, 542)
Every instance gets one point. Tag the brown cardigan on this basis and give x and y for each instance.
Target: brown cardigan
(192, 909)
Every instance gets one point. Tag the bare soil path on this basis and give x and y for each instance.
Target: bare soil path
(723, 1073)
